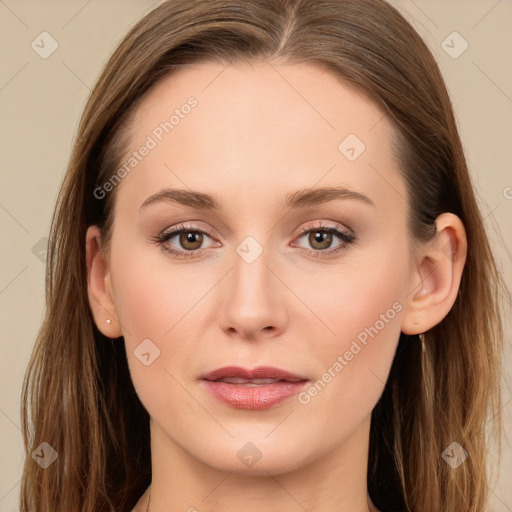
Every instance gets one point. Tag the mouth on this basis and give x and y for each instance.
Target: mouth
(259, 388)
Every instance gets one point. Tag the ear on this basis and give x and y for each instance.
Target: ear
(437, 276)
(99, 286)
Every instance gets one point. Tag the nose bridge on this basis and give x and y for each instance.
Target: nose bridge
(253, 301)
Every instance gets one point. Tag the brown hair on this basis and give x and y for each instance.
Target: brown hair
(78, 395)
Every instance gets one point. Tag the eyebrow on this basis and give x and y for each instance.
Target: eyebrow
(299, 199)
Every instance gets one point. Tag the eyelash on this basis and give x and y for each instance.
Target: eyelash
(345, 237)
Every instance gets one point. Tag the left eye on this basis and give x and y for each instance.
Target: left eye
(321, 238)
(190, 240)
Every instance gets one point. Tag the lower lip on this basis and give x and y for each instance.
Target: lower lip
(254, 397)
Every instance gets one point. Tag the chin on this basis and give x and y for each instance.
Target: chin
(256, 458)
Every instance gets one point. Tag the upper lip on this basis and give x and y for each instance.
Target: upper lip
(260, 372)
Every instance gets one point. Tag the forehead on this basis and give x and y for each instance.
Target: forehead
(244, 128)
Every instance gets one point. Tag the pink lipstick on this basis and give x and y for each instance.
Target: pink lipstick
(259, 388)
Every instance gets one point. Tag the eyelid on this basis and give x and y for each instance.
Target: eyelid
(321, 226)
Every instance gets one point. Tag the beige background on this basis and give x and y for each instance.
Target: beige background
(41, 101)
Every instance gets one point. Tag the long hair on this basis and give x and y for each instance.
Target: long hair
(78, 396)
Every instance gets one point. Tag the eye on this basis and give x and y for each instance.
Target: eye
(321, 239)
(188, 238)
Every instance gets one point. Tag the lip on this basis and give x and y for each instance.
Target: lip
(250, 395)
(261, 372)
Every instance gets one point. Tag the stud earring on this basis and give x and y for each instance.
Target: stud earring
(108, 321)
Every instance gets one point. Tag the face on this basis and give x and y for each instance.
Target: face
(276, 275)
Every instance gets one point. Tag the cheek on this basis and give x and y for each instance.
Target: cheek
(164, 305)
(361, 304)
(154, 300)
(363, 293)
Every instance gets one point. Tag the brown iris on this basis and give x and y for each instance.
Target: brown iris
(193, 237)
(321, 237)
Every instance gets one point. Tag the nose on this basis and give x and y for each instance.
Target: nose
(253, 300)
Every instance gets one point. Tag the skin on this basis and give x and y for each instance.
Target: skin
(258, 133)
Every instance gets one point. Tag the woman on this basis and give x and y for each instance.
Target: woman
(330, 340)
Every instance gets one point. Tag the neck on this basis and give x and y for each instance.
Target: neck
(332, 482)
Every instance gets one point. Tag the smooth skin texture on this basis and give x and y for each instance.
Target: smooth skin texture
(258, 134)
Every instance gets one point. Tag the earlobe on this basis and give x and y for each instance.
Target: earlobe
(99, 286)
(437, 276)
